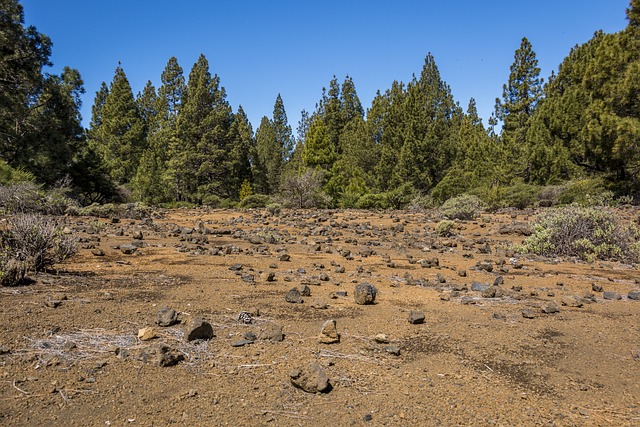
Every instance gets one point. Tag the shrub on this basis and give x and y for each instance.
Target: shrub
(212, 200)
(463, 207)
(422, 203)
(520, 196)
(255, 201)
(445, 228)
(32, 242)
(274, 208)
(372, 201)
(400, 197)
(585, 232)
(304, 191)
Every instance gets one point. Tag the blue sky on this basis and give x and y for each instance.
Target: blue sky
(261, 48)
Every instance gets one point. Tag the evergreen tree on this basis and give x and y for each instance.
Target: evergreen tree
(147, 102)
(429, 130)
(241, 146)
(386, 121)
(120, 136)
(520, 97)
(267, 158)
(282, 129)
(152, 180)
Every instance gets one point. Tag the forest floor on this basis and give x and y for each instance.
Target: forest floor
(541, 347)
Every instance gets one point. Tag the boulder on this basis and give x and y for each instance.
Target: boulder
(416, 317)
(312, 379)
(365, 293)
(198, 329)
(166, 317)
(329, 333)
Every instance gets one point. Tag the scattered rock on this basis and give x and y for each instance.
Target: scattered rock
(166, 317)
(429, 262)
(329, 332)
(305, 291)
(634, 295)
(596, 288)
(285, 257)
(610, 295)
(294, 296)
(146, 334)
(551, 308)
(528, 313)
(241, 343)
(137, 235)
(245, 318)
(478, 287)
(416, 317)
(467, 300)
(572, 301)
(319, 305)
(381, 339)
(166, 356)
(272, 332)
(311, 379)
(198, 329)
(393, 350)
(97, 252)
(128, 249)
(365, 293)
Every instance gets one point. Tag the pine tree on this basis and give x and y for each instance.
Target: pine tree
(120, 136)
(152, 181)
(428, 132)
(284, 137)
(147, 102)
(267, 158)
(241, 145)
(520, 98)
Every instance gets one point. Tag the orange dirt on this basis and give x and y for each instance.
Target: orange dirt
(70, 356)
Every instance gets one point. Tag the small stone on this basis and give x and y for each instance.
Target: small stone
(596, 288)
(498, 281)
(329, 332)
(445, 296)
(462, 273)
(311, 379)
(198, 329)
(305, 291)
(241, 343)
(381, 339)
(270, 277)
(97, 252)
(137, 235)
(467, 300)
(571, 301)
(248, 278)
(365, 293)
(166, 356)
(478, 287)
(393, 350)
(272, 332)
(634, 295)
(285, 257)
(416, 317)
(429, 262)
(610, 295)
(293, 296)
(146, 334)
(166, 317)
(527, 313)
(319, 305)
(128, 249)
(551, 308)
(249, 335)
(235, 267)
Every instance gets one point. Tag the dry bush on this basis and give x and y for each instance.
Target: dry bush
(32, 242)
(585, 232)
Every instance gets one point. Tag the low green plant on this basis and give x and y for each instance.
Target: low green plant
(444, 228)
(464, 206)
(372, 201)
(274, 208)
(586, 232)
(255, 201)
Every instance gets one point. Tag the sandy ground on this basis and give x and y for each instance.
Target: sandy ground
(70, 353)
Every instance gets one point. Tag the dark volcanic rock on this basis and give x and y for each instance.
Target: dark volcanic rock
(416, 317)
(312, 379)
(294, 296)
(166, 317)
(198, 329)
(365, 293)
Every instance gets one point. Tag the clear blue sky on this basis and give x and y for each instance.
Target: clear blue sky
(262, 48)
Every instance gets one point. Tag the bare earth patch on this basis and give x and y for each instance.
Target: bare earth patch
(491, 350)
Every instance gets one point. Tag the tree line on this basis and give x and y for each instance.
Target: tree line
(183, 143)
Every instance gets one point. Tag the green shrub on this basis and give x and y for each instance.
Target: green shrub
(212, 200)
(445, 228)
(372, 201)
(462, 207)
(585, 192)
(400, 197)
(520, 196)
(255, 201)
(32, 242)
(274, 208)
(422, 203)
(586, 232)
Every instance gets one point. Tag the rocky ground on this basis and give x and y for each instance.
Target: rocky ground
(336, 318)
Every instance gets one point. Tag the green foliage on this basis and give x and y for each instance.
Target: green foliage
(584, 232)
(31, 242)
(463, 207)
(10, 176)
(274, 208)
(245, 190)
(520, 196)
(400, 197)
(255, 201)
(372, 201)
(444, 228)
